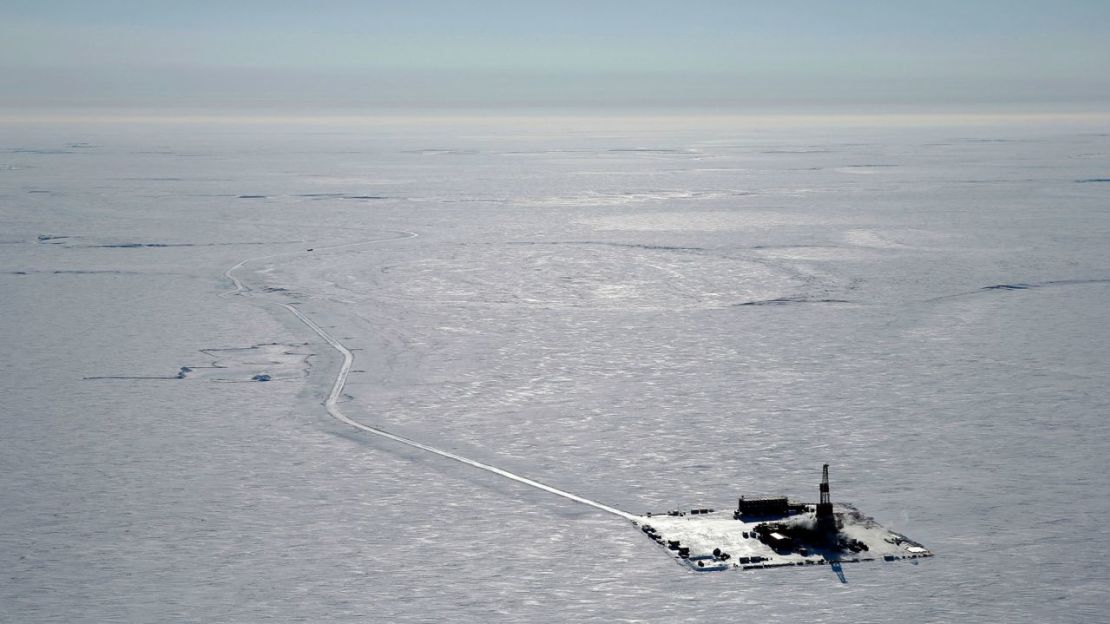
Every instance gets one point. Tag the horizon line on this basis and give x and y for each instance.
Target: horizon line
(516, 116)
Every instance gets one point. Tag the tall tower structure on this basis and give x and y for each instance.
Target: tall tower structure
(824, 508)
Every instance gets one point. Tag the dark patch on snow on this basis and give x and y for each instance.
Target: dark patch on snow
(648, 150)
(130, 245)
(788, 300)
(42, 238)
(167, 153)
(611, 244)
(1009, 287)
(799, 151)
(38, 151)
(441, 152)
(656, 247)
(1023, 286)
(547, 151)
(798, 246)
(75, 272)
(231, 362)
(1073, 282)
(179, 375)
(1014, 286)
(93, 272)
(339, 196)
(1094, 181)
(252, 197)
(996, 181)
(982, 140)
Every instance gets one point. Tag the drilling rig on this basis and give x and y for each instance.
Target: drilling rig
(825, 518)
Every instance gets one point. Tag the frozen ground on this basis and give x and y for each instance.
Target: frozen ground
(652, 317)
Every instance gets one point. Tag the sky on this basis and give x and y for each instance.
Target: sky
(736, 56)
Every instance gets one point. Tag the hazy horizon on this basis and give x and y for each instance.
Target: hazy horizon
(803, 56)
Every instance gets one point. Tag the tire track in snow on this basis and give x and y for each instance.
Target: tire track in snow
(331, 404)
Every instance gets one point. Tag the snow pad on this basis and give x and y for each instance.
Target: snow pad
(712, 541)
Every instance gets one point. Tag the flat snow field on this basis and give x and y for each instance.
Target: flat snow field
(633, 315)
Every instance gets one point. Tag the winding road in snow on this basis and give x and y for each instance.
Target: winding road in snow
(332, 401)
